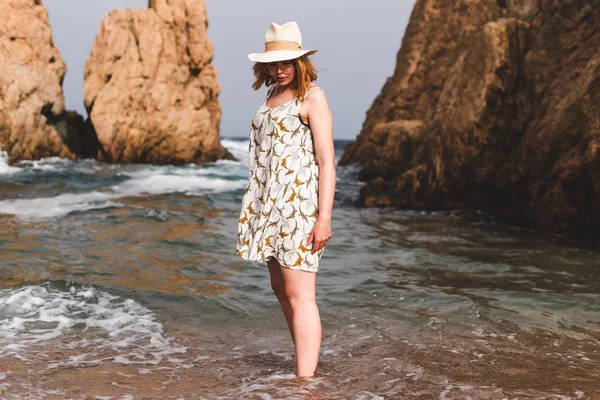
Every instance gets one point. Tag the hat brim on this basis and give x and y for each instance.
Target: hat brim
(279, 55)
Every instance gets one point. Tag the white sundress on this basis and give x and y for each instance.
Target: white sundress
(281, 203)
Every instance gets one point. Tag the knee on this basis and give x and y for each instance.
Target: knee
(299, 299)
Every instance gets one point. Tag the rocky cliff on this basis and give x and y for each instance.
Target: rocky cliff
(33, 121)
(150, 89)
(494, 104)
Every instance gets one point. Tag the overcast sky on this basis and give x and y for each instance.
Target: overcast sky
(357, 41)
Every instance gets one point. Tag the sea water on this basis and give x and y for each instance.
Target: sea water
(122, 282)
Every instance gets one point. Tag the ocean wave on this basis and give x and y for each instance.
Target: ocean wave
(239, 148)
(145, 182)
(107, 325)
(64, 204)
(49, 164)
(139, 180)
(57, 206)
(135, 180)
(6, 169)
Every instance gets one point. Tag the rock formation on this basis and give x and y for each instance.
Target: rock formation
(494, 104)
(150, 89)
(33, 121)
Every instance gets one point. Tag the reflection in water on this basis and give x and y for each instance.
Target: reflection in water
(130, 286)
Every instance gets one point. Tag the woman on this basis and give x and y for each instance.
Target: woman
(286, 209)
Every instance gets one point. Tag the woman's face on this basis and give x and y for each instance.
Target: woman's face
(283, 72)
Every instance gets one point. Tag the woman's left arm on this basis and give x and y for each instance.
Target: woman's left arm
(320, 121)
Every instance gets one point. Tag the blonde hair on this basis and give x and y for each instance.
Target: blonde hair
(306, 73)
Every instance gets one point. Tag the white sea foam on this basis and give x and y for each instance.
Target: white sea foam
(101, 323)
(153, 180)
(262, 386)
(239, 149)
(221, 176)
(49, 164)
(6, 169)
(150, 182)
(46, 164)
(57, 206)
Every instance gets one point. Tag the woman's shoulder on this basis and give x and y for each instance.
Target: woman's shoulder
(315, 94)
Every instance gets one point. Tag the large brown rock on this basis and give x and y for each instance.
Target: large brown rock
(32, 106)
(150, 89)
(494, 104)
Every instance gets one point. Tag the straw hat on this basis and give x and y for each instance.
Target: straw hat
(282, 42)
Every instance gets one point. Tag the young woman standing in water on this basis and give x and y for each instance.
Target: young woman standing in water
(286, 209)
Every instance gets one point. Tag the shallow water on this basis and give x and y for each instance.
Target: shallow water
(122, 282)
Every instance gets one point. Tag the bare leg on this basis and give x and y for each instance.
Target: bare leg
(279, 289)
(300, 289)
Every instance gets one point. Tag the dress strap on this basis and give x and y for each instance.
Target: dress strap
(270, 92)
(308, 91)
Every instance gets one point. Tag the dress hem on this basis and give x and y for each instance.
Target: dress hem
(283, 264)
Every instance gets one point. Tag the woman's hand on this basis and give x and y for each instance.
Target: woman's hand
(320, 234)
